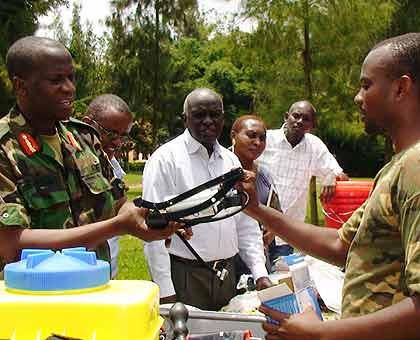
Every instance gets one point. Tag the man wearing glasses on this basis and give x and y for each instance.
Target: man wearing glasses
(111, 117)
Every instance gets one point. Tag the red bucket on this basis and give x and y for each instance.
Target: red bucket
(349, 195)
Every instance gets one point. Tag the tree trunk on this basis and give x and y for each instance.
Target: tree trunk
(307, 68)
(155, 119)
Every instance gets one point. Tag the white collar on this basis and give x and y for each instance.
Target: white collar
(193, 145)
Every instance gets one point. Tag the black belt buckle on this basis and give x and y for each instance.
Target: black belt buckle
(221, 274)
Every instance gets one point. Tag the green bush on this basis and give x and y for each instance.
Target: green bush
(359, 154)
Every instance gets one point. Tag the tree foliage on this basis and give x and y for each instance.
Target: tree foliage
(18, 18)
(156, 51)
(340, 33)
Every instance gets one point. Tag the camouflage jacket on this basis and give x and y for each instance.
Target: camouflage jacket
(38, 191)
(383, 263)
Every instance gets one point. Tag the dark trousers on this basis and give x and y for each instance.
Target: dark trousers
(197, 286)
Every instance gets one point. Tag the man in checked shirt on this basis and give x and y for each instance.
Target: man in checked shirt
(292, 156)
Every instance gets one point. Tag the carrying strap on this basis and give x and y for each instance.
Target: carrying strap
(221, 274)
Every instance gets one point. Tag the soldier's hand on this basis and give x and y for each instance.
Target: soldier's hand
(268, 237)
(248, 184)
(160, 234)
(186, 233)
(302, 326)
(134, 220)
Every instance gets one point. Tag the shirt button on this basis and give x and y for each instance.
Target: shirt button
(5, 215)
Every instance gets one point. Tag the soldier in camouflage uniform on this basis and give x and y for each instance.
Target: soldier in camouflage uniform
(53, 171)
(380, 244)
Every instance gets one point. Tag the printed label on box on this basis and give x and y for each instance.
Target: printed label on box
(281, 298)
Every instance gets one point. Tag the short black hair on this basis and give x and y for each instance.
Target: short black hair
(104, 102)
(405, 51)
(22, 55)
(238, 123)
(306, 103)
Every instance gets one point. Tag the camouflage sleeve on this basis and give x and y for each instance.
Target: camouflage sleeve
(12, 211)
(349, 229)
(410, 228)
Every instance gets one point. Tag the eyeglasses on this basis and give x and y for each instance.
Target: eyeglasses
(112, 134)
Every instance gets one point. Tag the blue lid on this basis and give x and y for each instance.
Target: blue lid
(46, 270)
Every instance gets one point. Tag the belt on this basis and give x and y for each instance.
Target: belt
(216, 264)
(217, 267)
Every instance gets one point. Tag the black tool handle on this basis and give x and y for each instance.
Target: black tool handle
(156, 220)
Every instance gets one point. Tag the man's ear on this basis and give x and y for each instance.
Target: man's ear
(232, 136)
(19, 86)
(403, 87)
(286, 116)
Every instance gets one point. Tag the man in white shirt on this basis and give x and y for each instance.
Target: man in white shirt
(293, 156)
(185, 162)
(112, 118)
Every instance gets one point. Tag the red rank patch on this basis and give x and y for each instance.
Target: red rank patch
(28, 143)
(73, 141)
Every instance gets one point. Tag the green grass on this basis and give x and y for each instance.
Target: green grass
(131, 262)
(133, 179)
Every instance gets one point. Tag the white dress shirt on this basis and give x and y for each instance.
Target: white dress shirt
(292, 168)
(176, 167)
(113, 242)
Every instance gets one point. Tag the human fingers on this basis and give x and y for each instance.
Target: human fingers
(185, 233)
(270, 328)
(272, 313)
(327, 193)
(268, 237)
(188, 233)
(173, 227)
(143, 212)
(247, 181)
